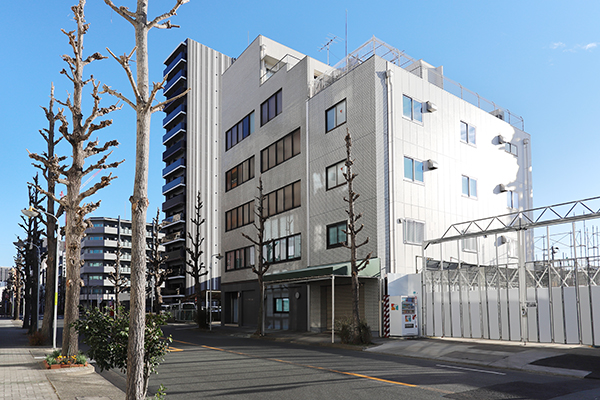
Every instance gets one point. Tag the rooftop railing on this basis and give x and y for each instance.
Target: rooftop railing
(376, 47)
(287, 60)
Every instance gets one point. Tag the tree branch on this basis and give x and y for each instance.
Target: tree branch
(161, 105)
(124, 62)
(167, 25)
(123, 12)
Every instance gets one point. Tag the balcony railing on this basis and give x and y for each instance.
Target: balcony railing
(287, 60)
(175, 255)
(173, 202)
(181, 74)
(173, 218)
(174, 113)
(180, 162)
(174, 149)
(179, 181)
(180, 127)
(180, 57)
(173, 237)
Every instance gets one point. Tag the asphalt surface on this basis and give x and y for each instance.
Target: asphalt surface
(207, 365)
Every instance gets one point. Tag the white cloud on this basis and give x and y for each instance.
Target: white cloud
(590, 46)
(557, 45)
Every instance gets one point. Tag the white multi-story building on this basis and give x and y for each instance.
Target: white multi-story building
(428, 153)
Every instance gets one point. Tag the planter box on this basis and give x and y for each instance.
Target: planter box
(59, 366)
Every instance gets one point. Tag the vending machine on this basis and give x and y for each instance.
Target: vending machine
(409, 316)
(403, 316)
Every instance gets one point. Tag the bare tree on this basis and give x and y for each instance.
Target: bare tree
(261, 264)
(197, 267)
(351, 232)
(156, 272)
(51, 177)
(144, 98)
(71, 176)
(17, 283)
(32, 257)
(120, 282)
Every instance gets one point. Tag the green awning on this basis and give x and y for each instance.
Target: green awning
(309, 273)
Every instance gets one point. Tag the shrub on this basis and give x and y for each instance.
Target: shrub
(345, 328)
(107, 335)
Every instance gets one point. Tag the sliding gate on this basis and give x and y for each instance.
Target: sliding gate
(561, 302)
(547, 301)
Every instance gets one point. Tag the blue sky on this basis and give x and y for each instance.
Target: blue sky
(539, 59)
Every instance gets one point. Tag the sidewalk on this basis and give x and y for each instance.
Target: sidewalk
(22, 375)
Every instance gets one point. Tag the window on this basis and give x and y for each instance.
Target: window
(280, 151)
(335, 175)
(239, 258)
(512, 199)
(281, 304)
(469, 187)
(510, 148)
(469, 244)
(239, 216)
(412, 109)
(239, 131)
(270, 108)
(335, 116)
(336, 235)
(98, 225)
(284, 249)
(414, 232)
(467, 133)
(413, 170)
(282, 199)
(239, 174)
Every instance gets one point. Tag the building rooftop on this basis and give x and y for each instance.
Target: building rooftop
(420, 68)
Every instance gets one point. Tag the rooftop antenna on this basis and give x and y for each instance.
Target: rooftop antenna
(346, 38)
(331, 40)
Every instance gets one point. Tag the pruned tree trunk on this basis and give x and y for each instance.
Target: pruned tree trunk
(194, 252)
(351, 232)
(82, 148)
(136, 388)
(50, 174)
(261, 263)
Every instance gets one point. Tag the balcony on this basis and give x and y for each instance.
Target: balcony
(174, 113)
(173, 149)
(180, 127)
(173, 219)
(175, 183)
(177, 164)
(175, 255)
(181, 74)
(173, 202)
(172, 238)
(98, 256)
(176, 59)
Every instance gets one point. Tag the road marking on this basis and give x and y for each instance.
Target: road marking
(173, 349)
(471, 369)
(319, 368)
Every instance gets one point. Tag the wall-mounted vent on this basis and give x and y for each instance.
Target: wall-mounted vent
(431, 164)
(501, 139)
(502, 188)
(431, 107)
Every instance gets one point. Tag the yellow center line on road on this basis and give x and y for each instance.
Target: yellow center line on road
(320, 368)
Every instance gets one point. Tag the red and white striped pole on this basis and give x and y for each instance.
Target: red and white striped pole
(386, 316)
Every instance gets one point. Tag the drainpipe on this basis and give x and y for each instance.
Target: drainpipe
(391, 208)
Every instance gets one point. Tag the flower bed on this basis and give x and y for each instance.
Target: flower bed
(54, 361)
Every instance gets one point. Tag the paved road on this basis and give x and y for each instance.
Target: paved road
(206, 365)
